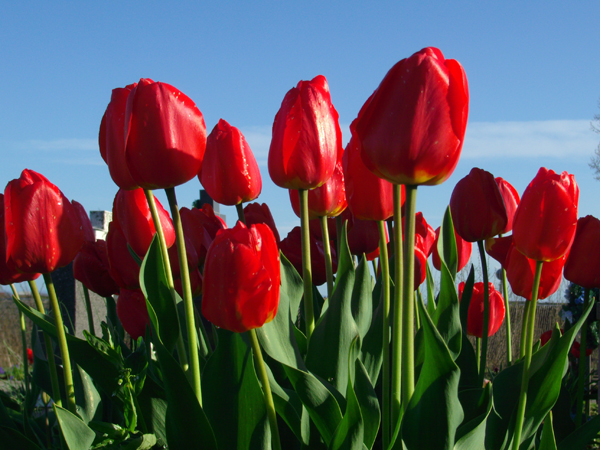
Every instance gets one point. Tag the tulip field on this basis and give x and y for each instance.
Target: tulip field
(217, 337)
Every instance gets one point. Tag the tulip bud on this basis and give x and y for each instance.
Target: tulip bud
(475, 314)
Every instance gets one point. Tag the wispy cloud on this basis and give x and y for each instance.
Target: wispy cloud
(554, 138)
(60, 145)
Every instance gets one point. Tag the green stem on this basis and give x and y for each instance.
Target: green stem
(88, 307)
(188, 302)
(327, 252)
(416, 296)
(62, 345)
(396, 381)
(338, 230)
(408, 292)
(23, 342)
(385, 278)
(264, 378)
(309, 315)
(507, 319)
(240, 212)
(527, 362)
(183, 360)
(524, 325)
(49, 349)
(486, 313)
(583, 372)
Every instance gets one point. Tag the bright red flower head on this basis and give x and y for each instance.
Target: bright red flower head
(112, 138)
(369, 197)
(130, 209)
(424, 231)
(583, 264)
(511, 201)
(260, 213)
(200, 226)
(477, 207)
(241, 278)
(546, 218)
(463, 248)
(327, 200)
(92, 268)
(475, 314)
(86, 224)
(165, 136)
(412, 127)
(307, 139)
(132, 312)
(122, 267)
(229, 172)
(43, 230)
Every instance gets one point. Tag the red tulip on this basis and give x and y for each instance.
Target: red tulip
(229, 172)
(86, 224)
(241, 278)
(463, 249)
(200, 226)
(112, 138)
(30, 356)
(130, 209)
(475, 314)
(307, 139)
(165, 136)
(8, 271)
(43, 230)
(315, 228)
(546, 218)
(420, 262)
(192, 260)
(511, 201)
(498, 248)
(132, 312)
(122, 267)
(327, 200)
(477, 207)
(260, 213)
(583, 264)
(425, 232)
(291, 247)
(369, 197)
(412, 127)
(363, 235)
(92, 268)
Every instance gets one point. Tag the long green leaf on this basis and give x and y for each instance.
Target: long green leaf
(447, 244)
(369, 404)
(547, 442)
(11, 439)
(477, 405)
(582, 436)
(77, 435)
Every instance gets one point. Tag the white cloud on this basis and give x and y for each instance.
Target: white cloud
(554, 138)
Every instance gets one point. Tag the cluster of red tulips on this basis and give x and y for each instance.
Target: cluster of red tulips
(326, 360)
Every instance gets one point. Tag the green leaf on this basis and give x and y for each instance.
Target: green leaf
(430, 292)
(11, 439)
(447, 313)
(153, 407)
(477, 405)
(435, 399)
(153, 282)
(371, 349)
(233, 401)
(87, 397)
(369, 404)
(362, 303)
(447, 244)
(143, 442)
(77, 435)
(345, 262)
(582, 436)
(465, 300)
(548, 442)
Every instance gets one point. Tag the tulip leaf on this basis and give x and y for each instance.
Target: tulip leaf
(345, 261)
(447, 313)
(350, 432)
(467, 362)
(153, 282)
(371, 350)
(435, 399)
(77, 435)
(547, 441)
(369, 404)
(87, 397)
(465, 300)
(447, 244)
(11, 439)
(362, 302)
(582, 436)
(288, 406)
(477, 405)
(431, 305)
(234, 401)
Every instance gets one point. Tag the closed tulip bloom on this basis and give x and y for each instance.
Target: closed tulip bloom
(412, 127)
(307, 139)
(165, 136)
(43, 230)
(327, 200)
(130, 209)
(92, 268)
(111, 138)
(475, 314)
(511, 201)
(546, 218)
(477, 207)
(133, 312)
(260, 213)
(583, 264)
(192, 260)
(86, 224)
(369, 197)
(241, 278)
(200, 226)
(122, 267)
(420, 262)
(425, 232)
(463, 249)
(363, 235)
(229, 171)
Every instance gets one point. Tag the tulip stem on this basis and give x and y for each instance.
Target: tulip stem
(327, 254)
(583, 369)
(309, 315)
(62, 344)
(385, 279)
(507, 319)
(486, 313)
(408, 293)
(527, 361)
(396, 381)
(183, 360)
(23, 342)
(48, 343)
(188, 302)
(338, 228)
(264, 378)
(524, 322)
(88, 307)
(240, 212)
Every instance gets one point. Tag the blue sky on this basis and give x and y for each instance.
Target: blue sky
(532, 69)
